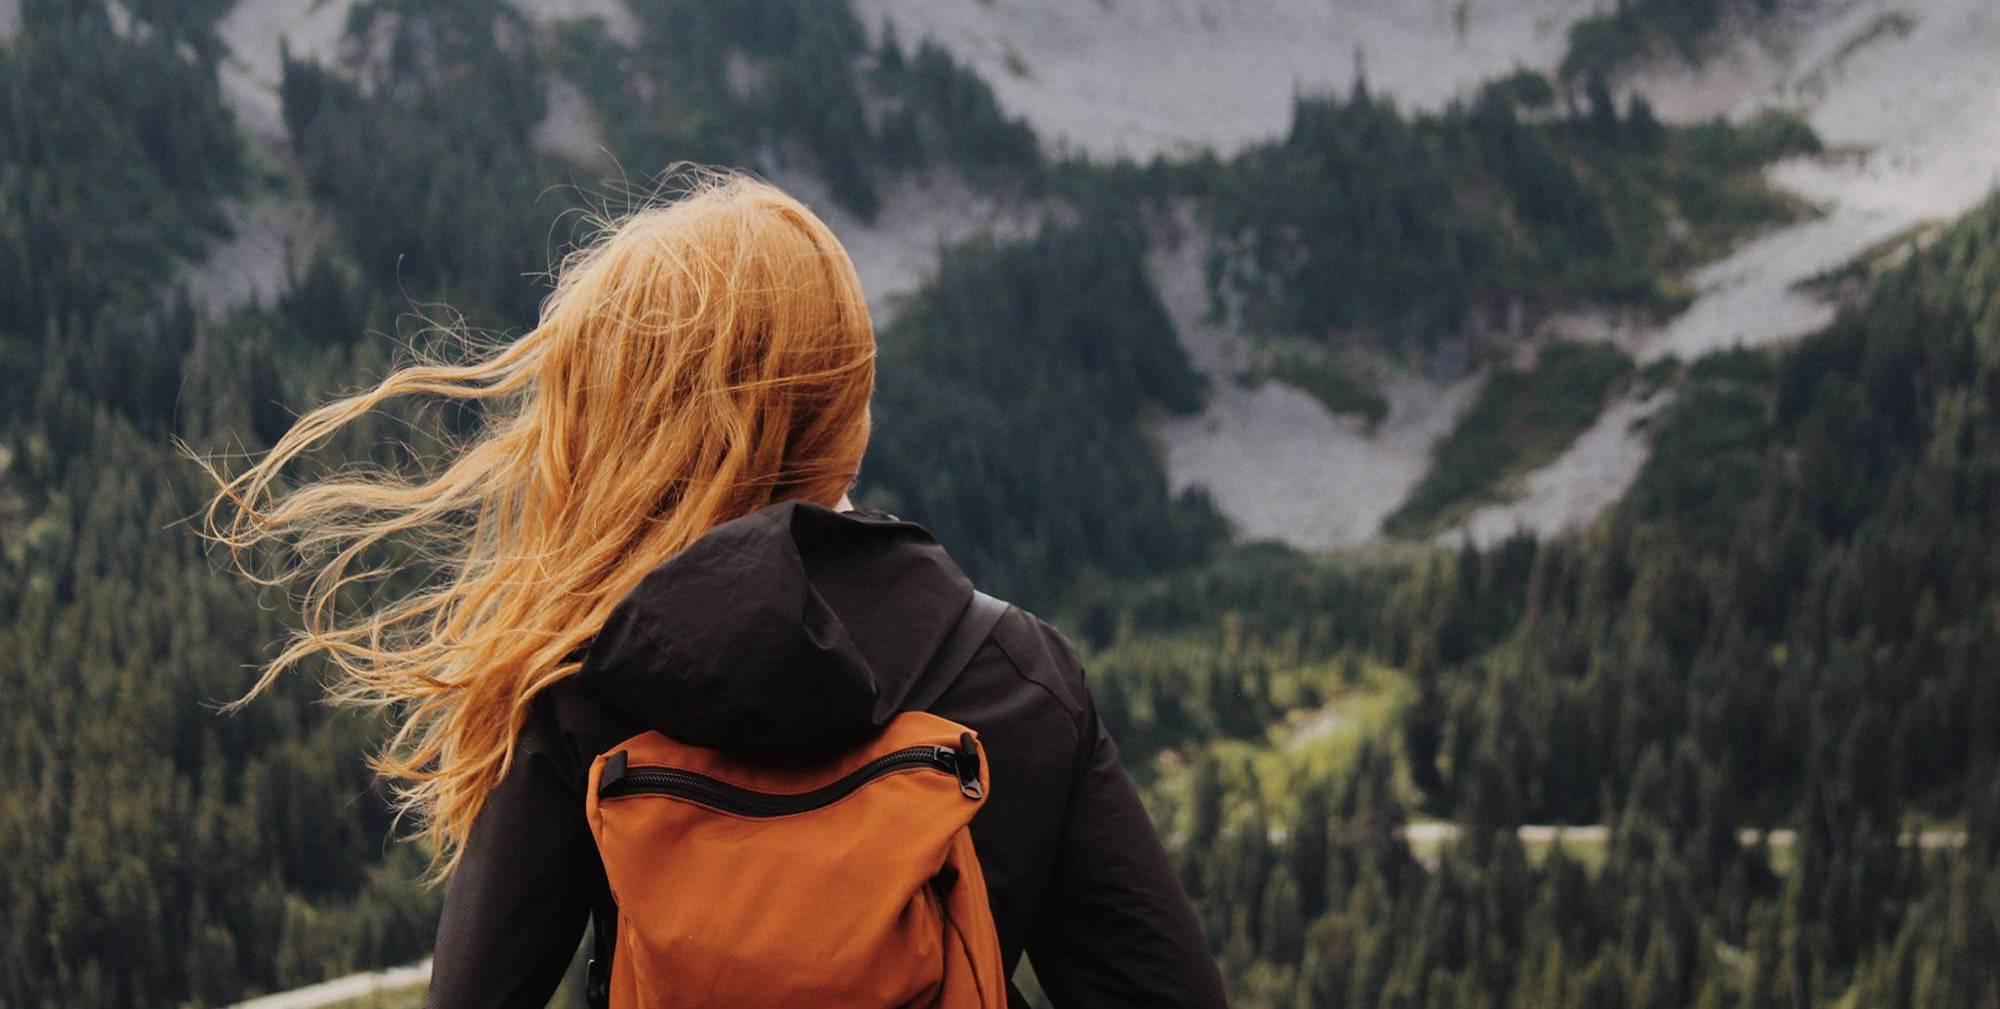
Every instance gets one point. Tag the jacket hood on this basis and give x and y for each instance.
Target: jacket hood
(792, 631)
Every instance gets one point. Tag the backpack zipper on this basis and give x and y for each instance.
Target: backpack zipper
(617, 780)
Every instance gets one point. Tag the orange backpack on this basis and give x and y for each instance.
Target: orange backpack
(845, 883)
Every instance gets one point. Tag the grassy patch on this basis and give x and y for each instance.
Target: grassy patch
(1713, 174)
(1521, 421)
(1320, 744)
(409, 997)
(1316, 743)
(1318, 375)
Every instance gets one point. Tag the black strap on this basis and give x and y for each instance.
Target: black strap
(974, 626)
(603, 939)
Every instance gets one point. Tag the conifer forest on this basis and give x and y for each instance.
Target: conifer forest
(1730, 740)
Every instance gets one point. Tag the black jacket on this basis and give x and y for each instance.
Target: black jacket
(796, 630)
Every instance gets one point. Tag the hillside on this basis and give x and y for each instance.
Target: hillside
(1781, 625)
(1824, 59)
(1903, 151)
(1906, 149)
(1191, 75)
(1404, 296)
(1264, 435)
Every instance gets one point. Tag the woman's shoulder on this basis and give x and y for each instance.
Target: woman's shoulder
(567, 726)
(1042, 655)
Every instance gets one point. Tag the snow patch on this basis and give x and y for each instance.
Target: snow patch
(120, 17)
(1627, 330)
(253, 30)
(1907, 99)
(316, 31)
(1274, 461)
(742, 75)
(1279, 466)
(1586, 479)
(270, 237)
(10, 19)
(1749, 298)
(898, 252)
(1139, 77)
(569, 125)
(616, 17)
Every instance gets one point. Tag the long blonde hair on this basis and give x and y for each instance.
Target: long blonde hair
(696, 361)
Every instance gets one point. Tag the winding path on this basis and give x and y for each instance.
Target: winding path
(1433, 833)
(342, 989)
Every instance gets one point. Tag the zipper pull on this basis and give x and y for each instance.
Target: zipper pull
(968, 767)
(614, 769)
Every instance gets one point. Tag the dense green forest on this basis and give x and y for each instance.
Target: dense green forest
(1363, 222)
(1782, 627)
(1787, 624)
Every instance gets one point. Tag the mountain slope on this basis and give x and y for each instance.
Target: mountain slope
(1907, 100)
(1137, 79)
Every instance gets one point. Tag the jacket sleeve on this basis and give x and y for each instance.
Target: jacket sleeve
(515, 908)
(1117, 929)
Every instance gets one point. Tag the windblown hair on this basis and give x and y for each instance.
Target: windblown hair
(696, 361)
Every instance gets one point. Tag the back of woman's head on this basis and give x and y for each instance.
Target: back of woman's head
(696, 361)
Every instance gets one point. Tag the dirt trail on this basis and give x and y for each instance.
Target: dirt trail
(340, 990)
(1430, 835)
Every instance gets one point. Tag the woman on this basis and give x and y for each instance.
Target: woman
(672, 446)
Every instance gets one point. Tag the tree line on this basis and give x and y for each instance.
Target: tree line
(1785, 624)
(1781, 625)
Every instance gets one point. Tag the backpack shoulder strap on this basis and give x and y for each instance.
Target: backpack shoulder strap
(974, 626)
(603, 940)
